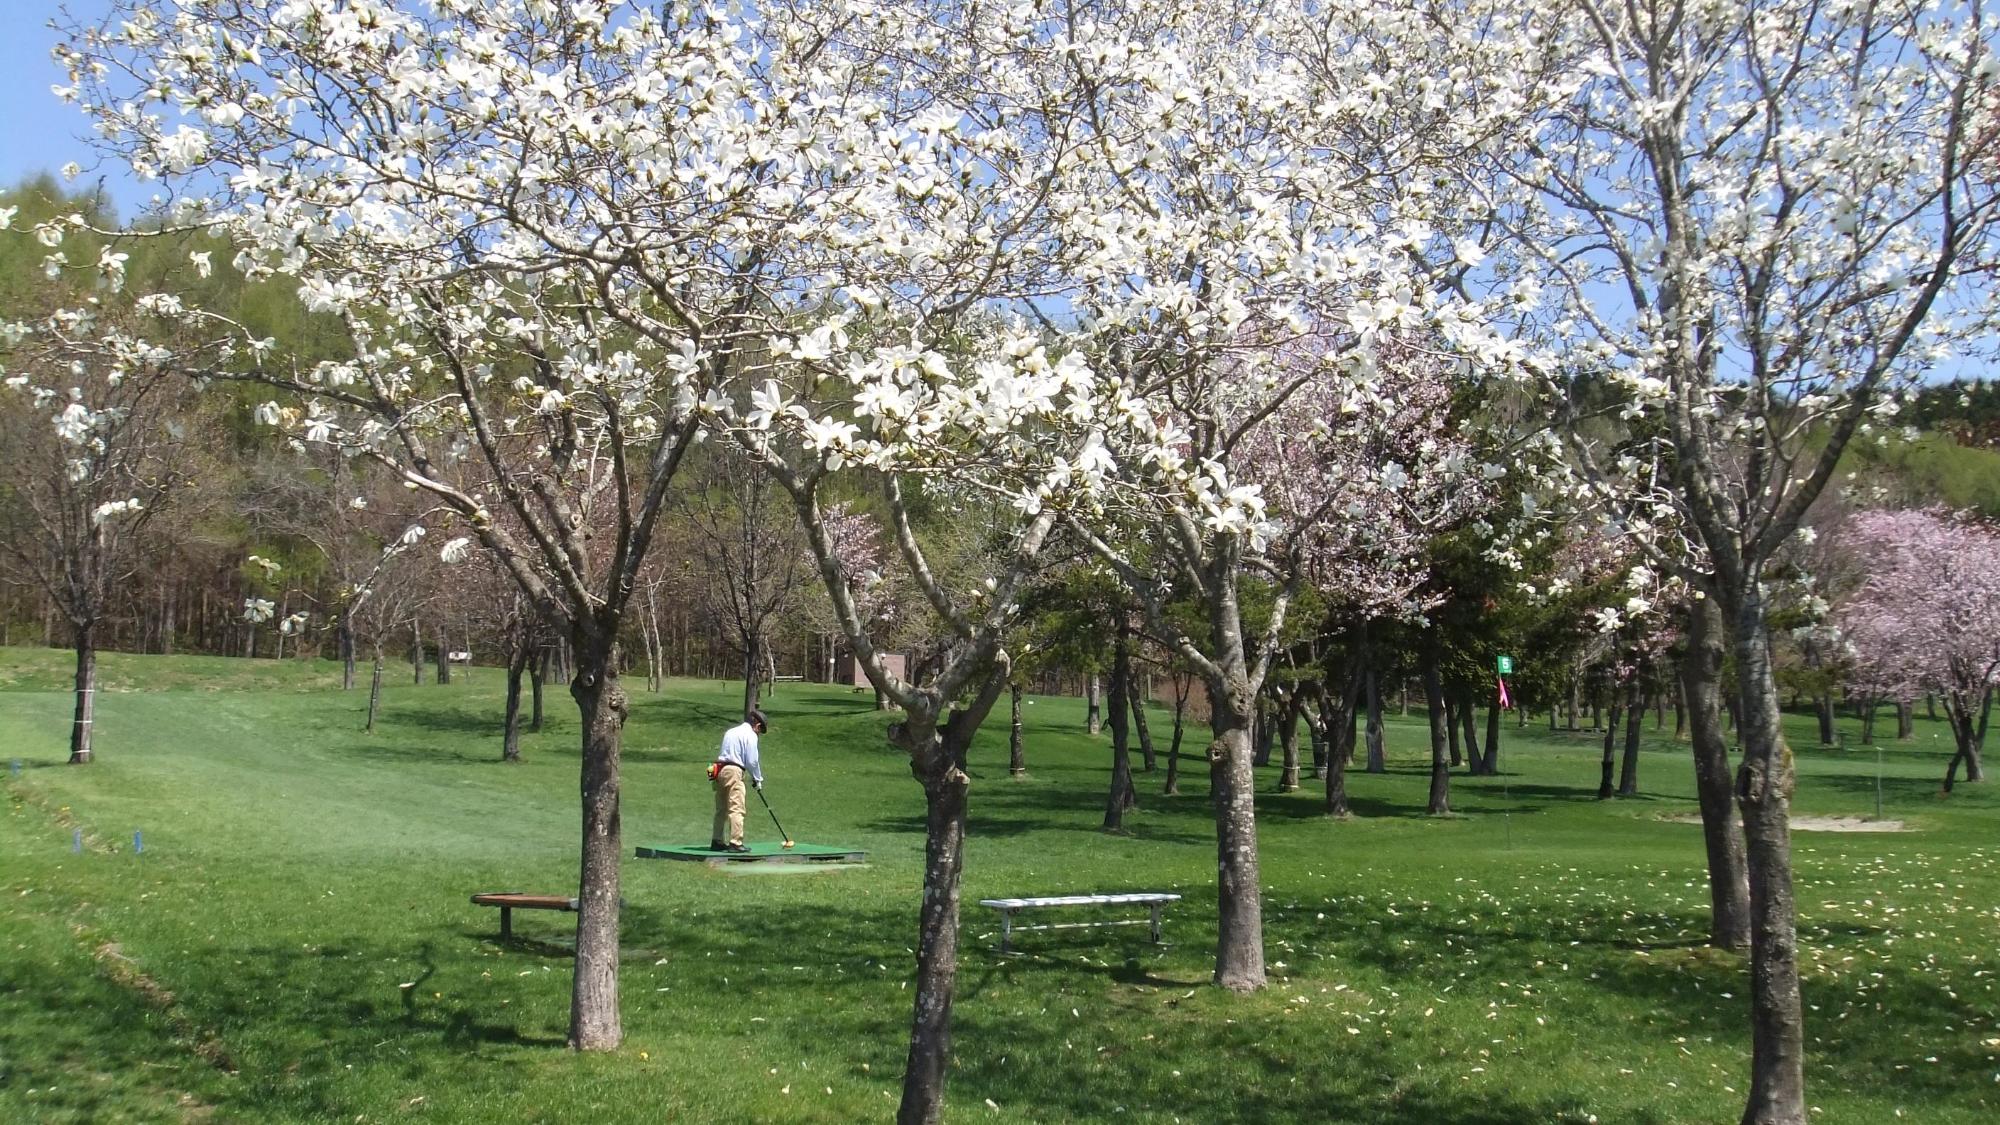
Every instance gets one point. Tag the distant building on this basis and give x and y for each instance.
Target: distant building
(1197, 702)
(847, 670)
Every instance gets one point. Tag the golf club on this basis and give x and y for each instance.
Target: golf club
(774, 817)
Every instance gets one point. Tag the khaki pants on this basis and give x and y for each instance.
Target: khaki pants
(728, 805)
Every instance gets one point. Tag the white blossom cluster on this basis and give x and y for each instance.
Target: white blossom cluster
(1170, 264)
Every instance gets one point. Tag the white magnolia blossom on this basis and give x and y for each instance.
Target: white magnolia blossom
(112, 509)
(455, 550)
(256, 611)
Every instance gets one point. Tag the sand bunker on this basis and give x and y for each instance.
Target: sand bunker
(1822, 823)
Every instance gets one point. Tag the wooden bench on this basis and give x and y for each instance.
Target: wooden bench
(510, 901)
(1008, 907)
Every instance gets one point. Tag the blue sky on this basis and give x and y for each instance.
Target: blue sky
(39, 133)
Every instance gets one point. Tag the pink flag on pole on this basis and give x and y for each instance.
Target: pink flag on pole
(1506, 702)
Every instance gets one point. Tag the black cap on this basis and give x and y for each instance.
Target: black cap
(756, 719)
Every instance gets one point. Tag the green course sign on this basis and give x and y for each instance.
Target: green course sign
(1506, 665)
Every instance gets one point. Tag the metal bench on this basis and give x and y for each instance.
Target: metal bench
(510, 901)
(1008, 907)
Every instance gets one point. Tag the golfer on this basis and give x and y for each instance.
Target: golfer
(737, 757)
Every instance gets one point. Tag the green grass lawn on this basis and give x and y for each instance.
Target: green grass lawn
(294, 942)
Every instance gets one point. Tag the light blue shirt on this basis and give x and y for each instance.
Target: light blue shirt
(739, 748)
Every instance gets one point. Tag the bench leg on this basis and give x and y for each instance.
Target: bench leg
(1006, 928)
(506, 922)
(1156, 923)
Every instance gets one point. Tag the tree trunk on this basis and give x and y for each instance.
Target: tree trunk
(1316, 728)
(416, 653)
(937, 949)
(1093, 708)
(1149, 760)
(753, 658)
(1340, 714)
(1262, 727)
(1604, 782)
(1680, 704)
(1490, 765)
(1468, 718)
(1182, 686)
(1728, 879)
(1239, 950)
(1122, 796)
(345, 642)
(1868, 707)
(656, 653)
(1906, 721)
(1451, 731)
(1969, 738)
(538, 671)
(1823, 706)
(1763, 791)
(86, 696)
(443, 656)
(1288, 740)
(1635, 714)
(937, 759)
(1017, 757)
(1440, 801)
(593, 1016)
(1378, 760)
(1973, 770)
(375, 690)
(517, 666)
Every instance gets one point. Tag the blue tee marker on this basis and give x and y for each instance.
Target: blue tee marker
(76, 840)
(138, 844)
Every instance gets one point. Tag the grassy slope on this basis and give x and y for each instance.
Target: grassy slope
(294, 943)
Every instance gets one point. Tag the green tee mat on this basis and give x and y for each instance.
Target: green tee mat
(760, 852)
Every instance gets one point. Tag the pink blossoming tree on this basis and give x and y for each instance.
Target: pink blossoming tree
(1928, 618)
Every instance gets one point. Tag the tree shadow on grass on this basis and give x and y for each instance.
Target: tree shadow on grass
(1020, 1056)
(1682, 986)
(820, 703)
(1904, 792)
(1008, 826)
(392, 749)
(830, 970)
(1304, 805)
(998, 810)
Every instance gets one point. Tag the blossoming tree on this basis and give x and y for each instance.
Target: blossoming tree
(1259, 254)
(1923, 619)
(556, 234)
(1755, 217)
(85, 408)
